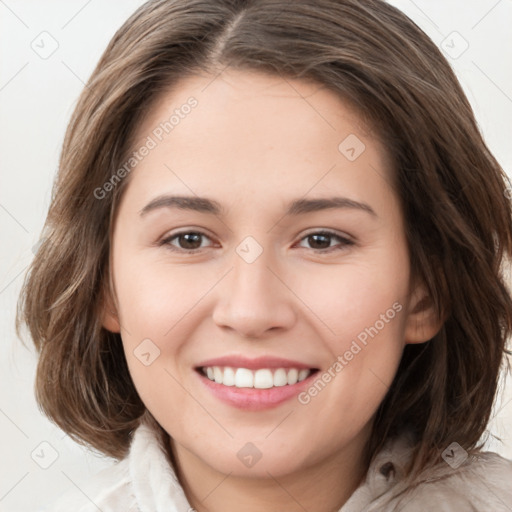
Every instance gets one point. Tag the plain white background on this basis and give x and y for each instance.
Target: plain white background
(37, 95)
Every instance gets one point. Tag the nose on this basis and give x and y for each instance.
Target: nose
(254, 299)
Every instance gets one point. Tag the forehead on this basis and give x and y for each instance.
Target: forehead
(257, 132)
(253, 101)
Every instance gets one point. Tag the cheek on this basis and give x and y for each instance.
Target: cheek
(354, 298)
(363, 327)
(159, 307)
(155, 296)
(367, 315)
(364, 337)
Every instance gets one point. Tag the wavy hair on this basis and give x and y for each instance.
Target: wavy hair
(452, 190)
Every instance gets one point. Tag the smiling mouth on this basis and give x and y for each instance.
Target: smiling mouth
(263, 378)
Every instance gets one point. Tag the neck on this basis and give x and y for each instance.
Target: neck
(322, 487)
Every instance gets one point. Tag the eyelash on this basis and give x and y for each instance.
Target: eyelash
(345, 242)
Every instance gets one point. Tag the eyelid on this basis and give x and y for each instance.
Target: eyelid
(327, 231)
(346, 240)
(165, 240)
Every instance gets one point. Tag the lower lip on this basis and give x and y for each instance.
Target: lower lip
(252, 399)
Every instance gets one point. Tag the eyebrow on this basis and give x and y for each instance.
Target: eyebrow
(210, 206)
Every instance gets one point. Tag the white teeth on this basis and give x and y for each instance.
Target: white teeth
(229, 377)
(293, 376)
(263, 378)
(303, 374)
(244, 378)
(217, 374)
(280, 377)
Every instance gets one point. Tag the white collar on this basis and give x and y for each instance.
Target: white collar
(154, 481)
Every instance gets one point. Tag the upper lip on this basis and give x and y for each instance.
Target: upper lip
(238, 361)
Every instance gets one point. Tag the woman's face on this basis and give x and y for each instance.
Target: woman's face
(284, 252)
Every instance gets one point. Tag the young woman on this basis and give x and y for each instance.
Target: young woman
(272, 270)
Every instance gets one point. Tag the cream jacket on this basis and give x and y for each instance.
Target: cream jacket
(145, 482)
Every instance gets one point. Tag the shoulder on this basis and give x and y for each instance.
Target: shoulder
(482, 483)
(144, 480)
(108, 491)
(478, 483)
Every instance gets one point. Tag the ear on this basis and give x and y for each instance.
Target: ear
(423, 322)
(108, 312)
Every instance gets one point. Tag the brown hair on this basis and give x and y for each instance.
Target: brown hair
(452, 190)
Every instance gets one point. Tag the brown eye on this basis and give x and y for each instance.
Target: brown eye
(191, 241)
(321, 241)
(187, 241)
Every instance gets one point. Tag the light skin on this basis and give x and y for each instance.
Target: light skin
(254, 144)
